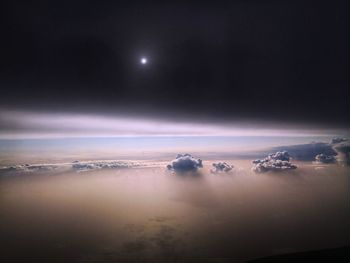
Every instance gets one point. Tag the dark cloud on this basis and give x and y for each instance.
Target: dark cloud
(343, 152)
(323, 158)
(278, 161)
(307, 152)
(221, 167)
(338, 149)
(338, 140)
(185, 163)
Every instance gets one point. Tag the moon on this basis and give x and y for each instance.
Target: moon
(143, 60)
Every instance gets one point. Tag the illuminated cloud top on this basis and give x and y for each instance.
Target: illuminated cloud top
(185, 163)
(278, 161)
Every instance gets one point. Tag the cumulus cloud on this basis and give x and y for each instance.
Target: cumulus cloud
(343, 152)
(323, 158)
(278, 161)
(221, 167)
(185, 163)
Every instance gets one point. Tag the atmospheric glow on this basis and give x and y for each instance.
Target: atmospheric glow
(24, 124)
(143, 60)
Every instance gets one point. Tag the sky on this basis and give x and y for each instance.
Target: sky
(27, 136)
(114, 114)
(207, 61)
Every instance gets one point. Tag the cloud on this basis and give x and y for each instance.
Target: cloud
(76, 166)
(338, 140)
(221, 167)
(338, 149)
(278, 161)
(307, 152)
(343, 152)
(323, 158)
(85, 166)
(281, 156)
(185, 163)
(28, 168)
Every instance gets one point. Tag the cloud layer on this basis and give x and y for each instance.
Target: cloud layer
(74, 166)
(28, 168)
(84, 166)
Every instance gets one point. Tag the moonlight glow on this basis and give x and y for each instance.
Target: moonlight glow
(143, 61)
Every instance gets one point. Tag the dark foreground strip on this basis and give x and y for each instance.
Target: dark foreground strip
(326, 255)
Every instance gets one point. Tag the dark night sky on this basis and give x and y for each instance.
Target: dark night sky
(272, 60)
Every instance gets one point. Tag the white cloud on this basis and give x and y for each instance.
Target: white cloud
(278, 161)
